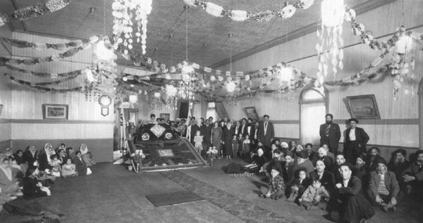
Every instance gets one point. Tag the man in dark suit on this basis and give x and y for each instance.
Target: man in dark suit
(326, 178)
(355, 141)
(349, 198)
(194, 129)
(266, 132)
(330, 134)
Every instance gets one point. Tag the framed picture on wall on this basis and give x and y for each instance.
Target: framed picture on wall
(363, 107)
(251, 112)
(165, 116)
(55, 111)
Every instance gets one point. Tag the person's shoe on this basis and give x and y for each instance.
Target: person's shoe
(363, 221)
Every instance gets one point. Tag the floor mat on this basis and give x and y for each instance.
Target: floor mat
(240, 208)
(173, 198)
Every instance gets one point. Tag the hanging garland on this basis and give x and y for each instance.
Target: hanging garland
(33, 11)
(69, 53)
(43, 83)
(29, 84)
(45, 46)
(240, 15)
(42, 74)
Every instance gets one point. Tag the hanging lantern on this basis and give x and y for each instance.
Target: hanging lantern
(230, 87)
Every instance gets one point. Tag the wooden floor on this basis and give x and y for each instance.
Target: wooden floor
(114, 194)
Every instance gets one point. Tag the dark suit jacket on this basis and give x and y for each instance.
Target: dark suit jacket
(334, 135)
(253, 132)
(270, 133)
(243, 129)
(391, 183)
(43, 162)
(361, 137)
(194, 129)
(328, 180)
(29, 158)
(80, 166)
(353, 189)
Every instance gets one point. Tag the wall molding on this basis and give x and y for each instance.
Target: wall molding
(368, 146)
(49, 121)
(288, 122)
(410, 121)
(360, 9)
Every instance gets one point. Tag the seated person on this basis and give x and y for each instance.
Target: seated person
(315, 195)
(8, 182)
(290, 168)
(55, 163)
(349, 199)
(69, 169)
(30, 156)
(309, 149)
(383, 187)
(86, 155)
(298, 186)
(326, 178)
(19, 157)
(276, 187)
(340, 159)
(276, 160)
(258, 161)
(373, 158)
(304, 163)
(360, 170)
(398, 165)
(44, 159)
(413, 177)
(322, 155)
(81, 167)
(32, 187)
(329, 154)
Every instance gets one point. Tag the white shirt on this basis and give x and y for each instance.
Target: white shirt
(249, 130)
(352, 135)
(265, 127)
(346, 182)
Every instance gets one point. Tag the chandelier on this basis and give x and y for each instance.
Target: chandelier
(123, 12)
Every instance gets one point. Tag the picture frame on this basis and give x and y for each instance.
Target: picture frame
(363, 107)
(251, 112)
(56, 111)
(165, 116)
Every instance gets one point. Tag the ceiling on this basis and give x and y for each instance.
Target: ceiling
(209, 42)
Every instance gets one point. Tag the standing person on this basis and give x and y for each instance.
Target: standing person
(228, 135)
(330, 134)
(194, 128)
(216, 138)
(266, 132)
(355, 141)
(254, 135)
(207, 135)
(152, 118)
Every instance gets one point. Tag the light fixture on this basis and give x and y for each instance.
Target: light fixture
(133, 98)
(171, 90)
(102, 51)
(230, 87)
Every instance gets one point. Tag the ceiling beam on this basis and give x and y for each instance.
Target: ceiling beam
(359, 9)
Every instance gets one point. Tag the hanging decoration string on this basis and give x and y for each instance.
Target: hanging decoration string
(33, 11)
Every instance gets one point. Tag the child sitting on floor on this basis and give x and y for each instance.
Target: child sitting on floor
(314, 195)
(298, 186)
(55, 163)
(276, 187)
(198, 140)
(211, 153)
(68, 169)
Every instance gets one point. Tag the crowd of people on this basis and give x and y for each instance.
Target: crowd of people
(31, 173)
(349, 183)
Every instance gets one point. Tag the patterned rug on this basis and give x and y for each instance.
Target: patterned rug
(240, 208)
(173, 198)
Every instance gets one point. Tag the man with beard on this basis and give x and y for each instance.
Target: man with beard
(330, 134)
(383, 187)
(276, 161)
(290, 168)
(322, 155)
(360, 169)
(413, 176)
(304, 163)
(355, 141)
(325, 177)
(398, 165)
(340, 159)
(266, 132)
(373, 158)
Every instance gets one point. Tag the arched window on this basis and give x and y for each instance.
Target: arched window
(313, 108)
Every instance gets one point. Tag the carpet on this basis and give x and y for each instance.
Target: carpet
(240, 208)
(173, 198)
